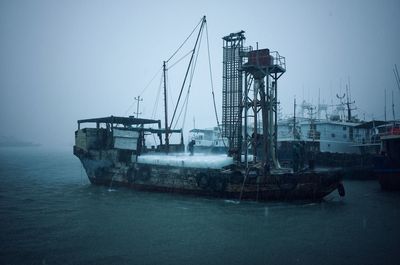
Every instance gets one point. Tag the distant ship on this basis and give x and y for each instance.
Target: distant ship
(331, 141)
(114, 151)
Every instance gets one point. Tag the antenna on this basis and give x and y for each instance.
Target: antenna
(138, 99)
(394, 117)
(313, 129)
(341, 99)
(294, 120)
(319, 103)
(385, 105)
(349, 102)
(348, 79)
(396, 75)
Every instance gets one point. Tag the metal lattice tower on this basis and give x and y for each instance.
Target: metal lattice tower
(232, 90)
(266, 68)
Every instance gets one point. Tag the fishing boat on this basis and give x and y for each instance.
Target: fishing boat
(335, 140)
(330, 140)
(387, 165)
(114, 152)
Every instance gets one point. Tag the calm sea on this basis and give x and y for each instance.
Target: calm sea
(50, 214)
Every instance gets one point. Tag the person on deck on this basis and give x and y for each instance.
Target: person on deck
(191, 147)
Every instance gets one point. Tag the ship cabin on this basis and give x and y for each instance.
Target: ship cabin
(126, 134)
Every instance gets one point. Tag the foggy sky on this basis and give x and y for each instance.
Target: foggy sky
(61, 61)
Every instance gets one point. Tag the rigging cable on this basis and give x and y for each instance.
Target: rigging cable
(178, 61)
(212, 88)
(191, 33)
(153, 114)
(187, 71)
(184, 116)
(184, 106)
(144, 89)
(186, 101)
(186, 98)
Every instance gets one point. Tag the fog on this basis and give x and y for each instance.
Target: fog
(67, 60)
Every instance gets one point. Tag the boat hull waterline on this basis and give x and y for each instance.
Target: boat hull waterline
(228, 183)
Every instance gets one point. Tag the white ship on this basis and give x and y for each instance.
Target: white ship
(209, 140)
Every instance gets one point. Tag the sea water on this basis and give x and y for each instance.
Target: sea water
(50, 214)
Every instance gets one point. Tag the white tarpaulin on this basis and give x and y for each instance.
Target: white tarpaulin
(185, 160)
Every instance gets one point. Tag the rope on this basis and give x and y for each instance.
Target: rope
(153, 114)
(158, 71)
(178, 61)
(81, 176)
(186, 101)
(152, 79)
(144, 89)
(212, 87)
(191, 33)
(184, 116)
(187, 71)
(244, 182)
(184, 106)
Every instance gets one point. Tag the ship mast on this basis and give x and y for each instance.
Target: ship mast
(349, 103)
(165, 108)
(168, 124)
(294, 120)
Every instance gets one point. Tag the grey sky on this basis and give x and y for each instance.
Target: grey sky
(66, 60)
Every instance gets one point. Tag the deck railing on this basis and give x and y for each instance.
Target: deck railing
(278, 59)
